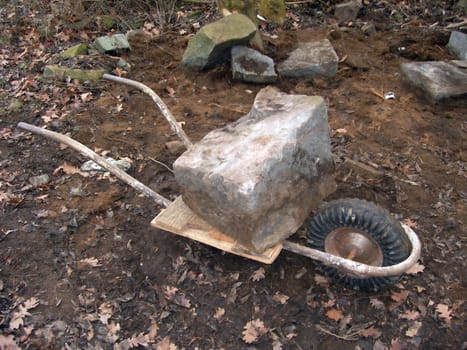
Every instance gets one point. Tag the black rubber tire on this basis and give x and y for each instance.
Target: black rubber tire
(369, 218)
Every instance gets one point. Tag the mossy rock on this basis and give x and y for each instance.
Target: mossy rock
(80, 49)
(62, 73)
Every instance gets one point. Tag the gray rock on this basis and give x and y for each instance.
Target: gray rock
(310, 60)
(251, 66)
(459, 63)
(437, 80)
(458, 45)
(105, 44)
(369, 28)
(175, 147)
(257, 179)
(212, 43)
(347, 11)
(39, 180)
(92, 166)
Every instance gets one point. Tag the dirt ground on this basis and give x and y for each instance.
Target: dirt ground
(81, 268)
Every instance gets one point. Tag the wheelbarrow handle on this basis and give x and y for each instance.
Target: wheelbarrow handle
(358, 269)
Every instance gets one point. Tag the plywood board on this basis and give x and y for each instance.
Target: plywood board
(181, 220)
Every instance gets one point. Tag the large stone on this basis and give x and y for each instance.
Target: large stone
(251, 66)
(458, 44)
(62, 73)
(109, 44)
(310, 60)
(257, 179)
(437, 80)
(347, 11)
(212, 43)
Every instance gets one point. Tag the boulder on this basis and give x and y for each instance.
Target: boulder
(76, 50)
(437, 80)
(347, 11)
(109, 44)
(310, 60)
(458, 45)
(212, 43)
(258, 178)
(251, 66)
(62, 73)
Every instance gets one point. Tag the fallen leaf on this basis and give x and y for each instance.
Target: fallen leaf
(88, 262)
(377, 304)
(444, 313)
(17, 318)
(7, 342)
(87, 96)
(220, 312)
(413, 330)
(395, 345)
(258, 274)
(410, 315)
(410, 223)
(171, 91)
(370, 332)
(400, 296)
(253, 330)
(153, 330)
(280, 298)
(416, 268)
(69, 170)
(321, 281)
(137, 340)
(334, 314)
(105, 312)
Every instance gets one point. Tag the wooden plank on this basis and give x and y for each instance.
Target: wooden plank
(179, 219)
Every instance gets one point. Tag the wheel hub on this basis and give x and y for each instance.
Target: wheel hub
(354, 244)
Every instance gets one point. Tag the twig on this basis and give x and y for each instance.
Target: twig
(160, 163)
(457, 25)
(227, 108)
(165, 111)
(351, 336)
(376, 93)
(85, 151)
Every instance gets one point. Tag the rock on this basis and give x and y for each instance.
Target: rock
(347, 11)
(108, 21)
(175, 147)
(357, 61)
(437, 80)
(251, 66)
(310, 60)
(458, 45)
(62, 73)
(109, 44)
(92, 166)
(459, 63)
(39, 180)
(212, 43)
(80, 49)
(369, 28)
(257, 179)
(123, 64)
(15, 105)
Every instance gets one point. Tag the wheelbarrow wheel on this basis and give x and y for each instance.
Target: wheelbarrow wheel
(361, 231)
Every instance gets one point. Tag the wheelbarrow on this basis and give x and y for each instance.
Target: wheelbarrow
(357, 243)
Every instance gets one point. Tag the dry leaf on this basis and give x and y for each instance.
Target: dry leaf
(410, 315)
(408, 221)
(253, 330)
(400, 296)
(444, 313)
(105, 312)
(370, 332)
(395, 345)
(280, 298)
(153, 330)
(171, 91)
(137, 340)
(69, 170)
(17, 318)
(413, 330)
(91, 262)
(416, 268)
(321, 281)
(87, 96)
(334, 314)
(377, 304)
(220, 312)
(7, 342)
(258, 274)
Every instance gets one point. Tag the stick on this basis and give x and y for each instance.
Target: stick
(165, 111)
(85, 151)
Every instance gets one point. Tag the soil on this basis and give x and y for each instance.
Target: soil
(84, 247)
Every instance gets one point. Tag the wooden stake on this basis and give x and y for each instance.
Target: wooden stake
(85, 151)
